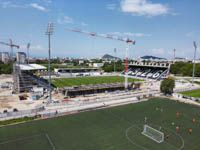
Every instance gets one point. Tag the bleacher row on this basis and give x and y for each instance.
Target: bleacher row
(147, 72)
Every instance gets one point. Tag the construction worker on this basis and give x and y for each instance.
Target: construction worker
(167, 136)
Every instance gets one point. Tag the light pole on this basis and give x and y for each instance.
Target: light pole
(174, 55)
(115, 50)
(49, 32)
(28, 46)
(193, 74)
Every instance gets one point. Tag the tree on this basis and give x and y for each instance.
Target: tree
(167, 86)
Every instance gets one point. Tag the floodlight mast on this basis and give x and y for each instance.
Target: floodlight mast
(193, 73)
(110, 37)
(49, 32)
(28, 47)
(174, 55)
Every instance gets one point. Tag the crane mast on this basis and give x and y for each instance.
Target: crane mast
(109, 36)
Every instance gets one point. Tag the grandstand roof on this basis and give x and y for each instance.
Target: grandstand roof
(31, 67)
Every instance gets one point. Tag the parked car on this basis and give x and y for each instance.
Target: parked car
(15, 110)
(5, 111)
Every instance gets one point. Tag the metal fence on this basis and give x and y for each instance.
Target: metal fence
(79, 105)
(186, 89)
(22, 113)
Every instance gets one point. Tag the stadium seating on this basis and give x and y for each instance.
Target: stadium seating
(147, 72)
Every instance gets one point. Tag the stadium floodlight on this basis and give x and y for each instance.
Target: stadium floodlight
(174, 55)
(49, 32)
(193, 73)
(28, 46)
(153, 134)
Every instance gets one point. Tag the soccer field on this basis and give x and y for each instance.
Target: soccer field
(192, 93)
(60, 82)
(116, 128)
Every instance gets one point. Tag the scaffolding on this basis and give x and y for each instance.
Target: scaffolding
(25, 80)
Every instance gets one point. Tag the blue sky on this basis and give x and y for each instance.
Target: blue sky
(157, 26)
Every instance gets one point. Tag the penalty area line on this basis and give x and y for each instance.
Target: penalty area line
(50, 142)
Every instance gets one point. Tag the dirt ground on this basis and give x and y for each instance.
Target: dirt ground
(10, 101)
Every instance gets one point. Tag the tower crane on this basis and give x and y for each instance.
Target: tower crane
(109, 36)
(11, 46)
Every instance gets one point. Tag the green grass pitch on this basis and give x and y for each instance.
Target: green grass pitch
(116, 128)
(192, 93)
(60, 82)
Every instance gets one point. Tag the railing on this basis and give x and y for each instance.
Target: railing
(18, 114)
(186, 89)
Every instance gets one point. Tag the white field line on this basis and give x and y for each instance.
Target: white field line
(50, 142)
(182, 146)
(20, 139)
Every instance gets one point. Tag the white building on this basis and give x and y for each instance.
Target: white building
(21, 57)
(98, 65)
(5, 57)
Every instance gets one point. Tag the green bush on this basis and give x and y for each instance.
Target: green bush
(167, 86)
(11, 121)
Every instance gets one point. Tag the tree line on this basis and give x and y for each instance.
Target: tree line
(185, 69)
(5, 68)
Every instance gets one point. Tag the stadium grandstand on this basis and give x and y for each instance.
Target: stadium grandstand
(148, 69)
(77, 71)
(25, 80)
(73, 91)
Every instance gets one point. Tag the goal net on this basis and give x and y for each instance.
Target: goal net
(153, 134)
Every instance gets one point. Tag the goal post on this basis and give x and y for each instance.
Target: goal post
(153, 134)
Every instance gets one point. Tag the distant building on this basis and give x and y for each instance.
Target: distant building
(21, 57)
(5, 57)
(98, 65)
(80, 62)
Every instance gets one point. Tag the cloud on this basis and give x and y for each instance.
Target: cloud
(24, 4)
(157, 51)
(131, 34)
(8, 4)
(137, 34)
(65, 20)
(48, 1)
(117, 33)
(33, 47)
(111, 6)
(84, 24)
(37, 6)
(143, 8)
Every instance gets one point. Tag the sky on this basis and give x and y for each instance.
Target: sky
(157, 26)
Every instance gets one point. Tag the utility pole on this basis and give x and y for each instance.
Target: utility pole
(49, 32)
(115, 50)
(28, 46)
(193, 74)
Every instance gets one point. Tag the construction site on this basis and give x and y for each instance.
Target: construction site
(25, 90)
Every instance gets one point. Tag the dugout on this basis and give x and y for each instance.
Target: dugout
(83, 90)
